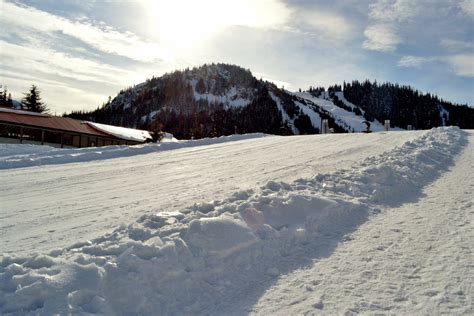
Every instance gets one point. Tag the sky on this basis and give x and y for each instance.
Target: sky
(79, 52)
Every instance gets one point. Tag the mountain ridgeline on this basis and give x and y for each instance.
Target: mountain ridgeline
(221, 99)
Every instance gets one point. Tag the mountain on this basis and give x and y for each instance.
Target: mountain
(222, 99)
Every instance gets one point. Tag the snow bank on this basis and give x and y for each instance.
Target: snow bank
(190, 261)
(21, 155)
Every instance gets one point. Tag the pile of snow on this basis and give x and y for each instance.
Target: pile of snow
(122, 132)
(192, 260)
(22, 155)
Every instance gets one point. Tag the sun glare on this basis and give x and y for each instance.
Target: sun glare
(184, 24)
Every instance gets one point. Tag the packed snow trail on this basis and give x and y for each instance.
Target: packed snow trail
(414, 259)
(51, 206)
(217, 257)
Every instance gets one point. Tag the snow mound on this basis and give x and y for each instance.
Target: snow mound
(22, 155)
(195, 260)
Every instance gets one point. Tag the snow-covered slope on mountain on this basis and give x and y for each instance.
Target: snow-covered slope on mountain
(199, 237)
(232, 98)
(346, 119)
(212, 84)
(341, 96)
(220, 84)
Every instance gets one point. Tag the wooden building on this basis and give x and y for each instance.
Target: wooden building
(32, 127)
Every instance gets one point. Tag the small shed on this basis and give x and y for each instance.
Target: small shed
(23, 126)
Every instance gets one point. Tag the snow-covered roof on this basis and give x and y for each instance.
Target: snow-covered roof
(122, 132)
(9, 110)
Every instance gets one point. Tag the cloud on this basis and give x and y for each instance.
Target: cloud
(415, 61)
(385, 16)
(47, 61)
(327, 24)
(462, 64)
(23, 20)
(467, 6)
(66, 81)
(456, 45)
(393, 11)
(381, 37)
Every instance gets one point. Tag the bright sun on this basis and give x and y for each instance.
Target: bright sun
(183, 24)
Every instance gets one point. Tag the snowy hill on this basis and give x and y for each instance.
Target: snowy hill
(334, 224)
(221, 99)
(207, 101)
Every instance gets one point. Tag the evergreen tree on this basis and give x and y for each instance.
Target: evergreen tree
(32, 101)
(201, 86)
(5, 98)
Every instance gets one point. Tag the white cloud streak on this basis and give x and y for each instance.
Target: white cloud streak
(49, 61)
(456, 45)
(415, 61)
(460, 64)
(18, 19)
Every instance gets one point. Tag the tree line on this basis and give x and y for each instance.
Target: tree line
(31, 101)
(404, 106)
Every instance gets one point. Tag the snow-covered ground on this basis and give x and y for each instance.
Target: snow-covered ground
(48, 206)
(371, 223)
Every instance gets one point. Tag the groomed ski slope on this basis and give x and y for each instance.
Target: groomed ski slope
(375, 225)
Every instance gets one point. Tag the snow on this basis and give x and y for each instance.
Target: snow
(231, 99)
(341, 97)
(314, 116)
(291, 122)
(351, 223)
(412, 259)
(444, 115)
(8, 110)
(22, 155)
(150, 116)
(122, 132)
